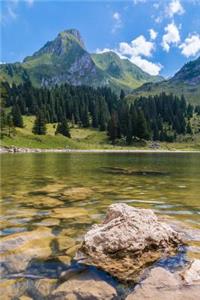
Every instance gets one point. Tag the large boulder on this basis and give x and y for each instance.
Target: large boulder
(128, 240)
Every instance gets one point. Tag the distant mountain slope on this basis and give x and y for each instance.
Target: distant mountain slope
(65, 59)
(186, 81)
(122, 71)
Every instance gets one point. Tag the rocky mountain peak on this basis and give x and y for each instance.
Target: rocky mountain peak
(75, 33)
(60, 45)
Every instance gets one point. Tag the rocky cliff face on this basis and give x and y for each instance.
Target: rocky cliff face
(64, 59)
(77, 74)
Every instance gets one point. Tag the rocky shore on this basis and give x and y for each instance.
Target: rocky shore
(14, 149)
(117, 260)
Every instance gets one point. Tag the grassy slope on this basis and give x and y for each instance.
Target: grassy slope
(191, 93)
(83, 139)
(121, 72)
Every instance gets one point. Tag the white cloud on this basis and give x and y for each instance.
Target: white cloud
(137, 51)
(191, 45)
(99, 51)
(117, 21)
(171, 36)
(174, 7)
(167, 9)
(138, 46)
(153, 34)
(147, 66)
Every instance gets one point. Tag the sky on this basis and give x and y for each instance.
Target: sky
(157, 35)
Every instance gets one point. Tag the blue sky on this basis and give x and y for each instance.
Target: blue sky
(159, 36)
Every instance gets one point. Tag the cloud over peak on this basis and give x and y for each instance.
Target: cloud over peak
(138, 46)
(137, 51)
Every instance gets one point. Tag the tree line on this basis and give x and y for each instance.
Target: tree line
(161, 117)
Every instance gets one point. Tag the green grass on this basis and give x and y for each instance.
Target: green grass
(81, 138)
(85, 138)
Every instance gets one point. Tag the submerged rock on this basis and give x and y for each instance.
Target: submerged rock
(18, 249)
(48, 222)
(86, 285)
(128, 240)
(192, 274)
(69, 212)
(12, 288)
(77, 193)
(43, 201)
(122, 171)
(162, 284)
(45, 286)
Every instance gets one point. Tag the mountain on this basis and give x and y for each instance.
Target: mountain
(122, 71)
(186, 81)
(65, 59)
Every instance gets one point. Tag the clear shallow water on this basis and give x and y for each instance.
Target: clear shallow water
(66, 193)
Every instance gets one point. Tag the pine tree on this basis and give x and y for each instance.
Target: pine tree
(122, 95)
(142, 129)
(113, 128)
(129, 134)
(39, 124)
(155, 132)
(189, 128)
(190, 109)
(63, 128)
(9, 121)
(3, 122)
(17, 117)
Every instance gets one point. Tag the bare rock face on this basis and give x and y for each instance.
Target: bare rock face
(128, 240)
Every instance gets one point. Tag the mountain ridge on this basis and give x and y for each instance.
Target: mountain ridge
(185, 82)
(65, 59)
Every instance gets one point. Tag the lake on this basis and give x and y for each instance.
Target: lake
(58, 196)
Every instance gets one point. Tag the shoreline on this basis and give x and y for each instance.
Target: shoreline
(40, 150)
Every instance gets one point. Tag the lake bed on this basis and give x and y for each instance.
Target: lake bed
(52, 199)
